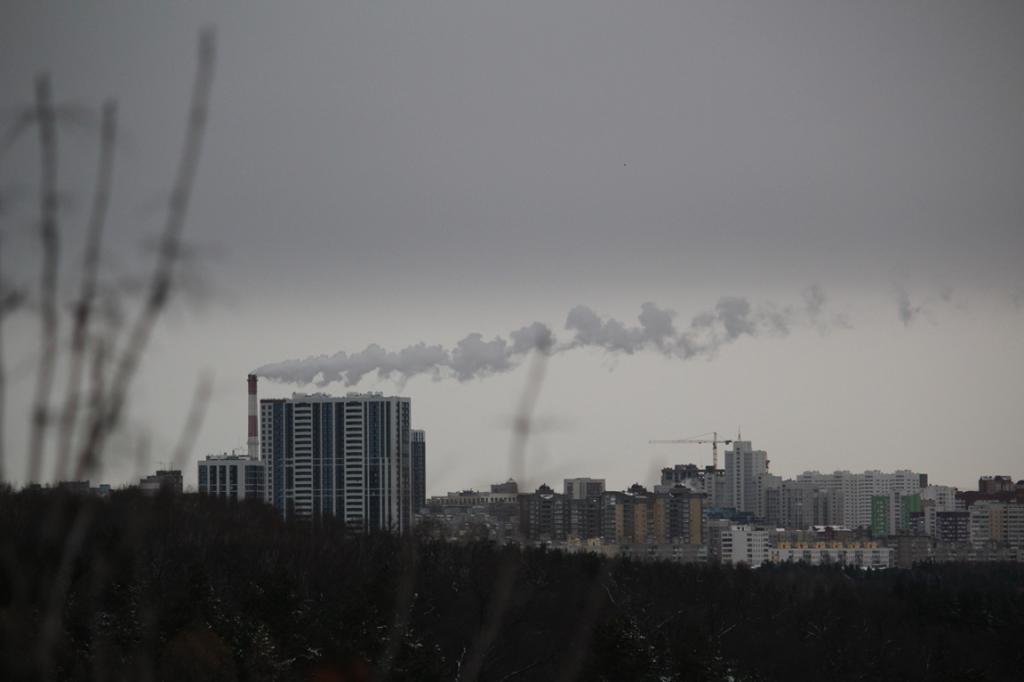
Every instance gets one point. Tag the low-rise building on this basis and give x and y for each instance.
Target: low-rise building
(582, 488)
(498, 523)
(510, 486)
(968, 552)
(84, 488)
(472, 498)
(910, 549)
(865, 555)
(236, 477)
(677, 552)
(168, 480)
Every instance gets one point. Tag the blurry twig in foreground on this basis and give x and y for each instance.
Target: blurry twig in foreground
(84, 306)
(162, 278)
(50, 238)
(506, 576)
(190, 430)
(10, 299)
(107, 403)
(404, 598)
(575, 656)
(524, 416)
(98, 379)
(52, 618)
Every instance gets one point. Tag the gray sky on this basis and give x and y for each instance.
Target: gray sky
(401, 172)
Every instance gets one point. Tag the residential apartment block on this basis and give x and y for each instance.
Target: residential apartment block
(349, 457)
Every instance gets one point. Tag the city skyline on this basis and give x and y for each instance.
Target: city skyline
(414, 175)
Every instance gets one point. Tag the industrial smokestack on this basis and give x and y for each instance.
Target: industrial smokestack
(254, 439)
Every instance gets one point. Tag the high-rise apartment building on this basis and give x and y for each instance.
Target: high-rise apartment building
(802, 505)
(767, 496)
(348, 457)
(585, 517)
(628, 516)
(679, 517)
(743, 465)
(997, 523)
(419, 470)
(543, 515)
(637, 516)
(881, 515)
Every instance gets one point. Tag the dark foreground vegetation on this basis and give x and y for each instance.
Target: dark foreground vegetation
(195, 589)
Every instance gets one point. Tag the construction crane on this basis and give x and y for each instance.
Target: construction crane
(700, 440)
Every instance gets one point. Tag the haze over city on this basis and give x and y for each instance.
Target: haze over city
(562, 340)
(827, 195)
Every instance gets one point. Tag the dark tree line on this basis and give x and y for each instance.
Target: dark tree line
(190, 588)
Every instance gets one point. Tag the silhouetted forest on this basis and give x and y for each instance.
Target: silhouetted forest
(190, 588)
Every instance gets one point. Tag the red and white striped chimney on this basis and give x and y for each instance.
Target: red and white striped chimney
(254, 422)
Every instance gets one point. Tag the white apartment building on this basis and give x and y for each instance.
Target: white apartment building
(936, 499)
(944, 497)
(743, 465)
(744, 545)
(852, 493)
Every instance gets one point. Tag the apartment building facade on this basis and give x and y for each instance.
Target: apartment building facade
(349, 457)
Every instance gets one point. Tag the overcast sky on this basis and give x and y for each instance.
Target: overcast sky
(405, 172)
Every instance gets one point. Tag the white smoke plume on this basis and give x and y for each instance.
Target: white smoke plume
(476, 357)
